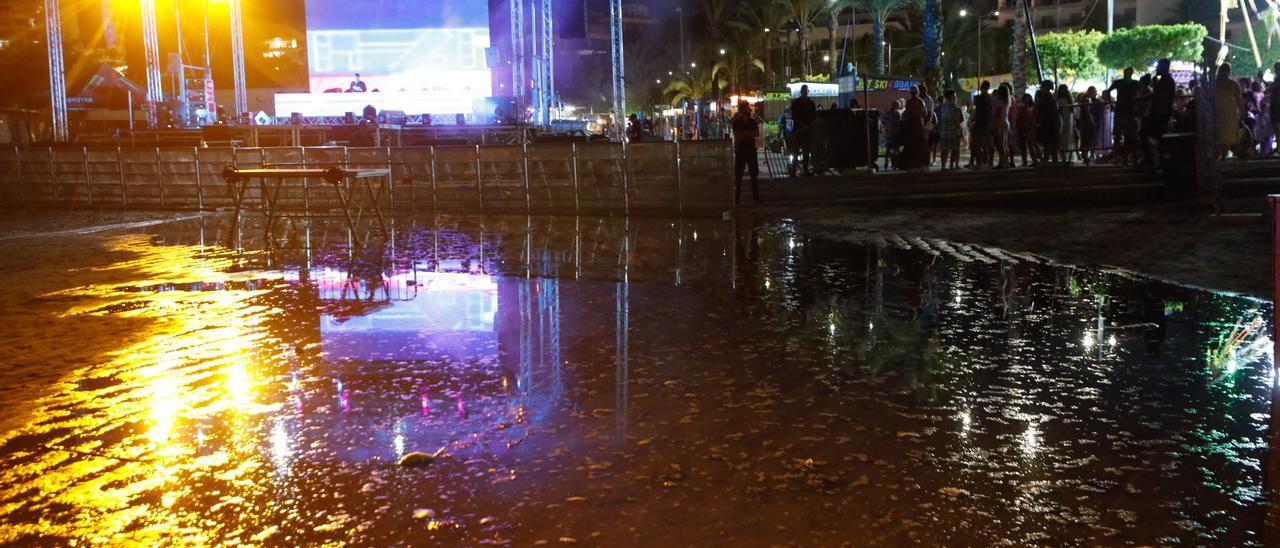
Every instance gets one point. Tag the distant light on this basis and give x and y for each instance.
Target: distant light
(669, 73)
(996, 13)
(693, 65)
(766, 29)
(721, 51)
(659, 80)
(826, 57)
(964, 13)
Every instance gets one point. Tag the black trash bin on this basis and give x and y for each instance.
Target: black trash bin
(1178, 163)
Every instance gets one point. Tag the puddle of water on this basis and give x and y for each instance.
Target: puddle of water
(643, 381)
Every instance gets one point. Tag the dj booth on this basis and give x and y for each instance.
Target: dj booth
(443, 107)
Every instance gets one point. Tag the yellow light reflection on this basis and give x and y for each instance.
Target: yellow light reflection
(184, 332)
(165, 406)
(239, 385)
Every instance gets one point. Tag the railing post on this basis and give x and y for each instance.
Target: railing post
(160, 175)
(18, 181)
(679, 181)
(577, 186)
(53, 174)
(88, 188)
(626, 180)
(479, 180)
(306, 181)
(391, 188)
(195, 156)
(435, 193)
(528, 198)
(124, 187)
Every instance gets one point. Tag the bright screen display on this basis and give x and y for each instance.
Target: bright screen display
(399, 45)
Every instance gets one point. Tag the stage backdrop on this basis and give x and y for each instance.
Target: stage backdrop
(399, 45)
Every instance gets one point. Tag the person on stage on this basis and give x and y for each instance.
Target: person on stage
(357, 85)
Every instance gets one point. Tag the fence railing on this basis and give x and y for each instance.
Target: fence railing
(667, 177)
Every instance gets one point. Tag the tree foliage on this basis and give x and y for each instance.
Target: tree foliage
(1074, 54)
(880, 11)
(1139, 46)
(694, 86)
(1240, 54)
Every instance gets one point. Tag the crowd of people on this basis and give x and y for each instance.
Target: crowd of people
(1122, 124)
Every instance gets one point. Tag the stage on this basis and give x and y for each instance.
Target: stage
(442, 106)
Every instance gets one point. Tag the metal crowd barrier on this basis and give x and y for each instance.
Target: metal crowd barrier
(667, 177)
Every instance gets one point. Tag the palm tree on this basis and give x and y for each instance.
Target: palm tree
(1019, 63)
(693, 86)
(716, 20)
(737, 62)
(932, 38)
(880, 11)
(764, 19)
(805, 14)
(835, 8)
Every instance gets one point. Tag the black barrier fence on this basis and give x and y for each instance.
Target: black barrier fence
(660, 178)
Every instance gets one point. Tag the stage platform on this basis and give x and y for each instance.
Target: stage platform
(318, 135)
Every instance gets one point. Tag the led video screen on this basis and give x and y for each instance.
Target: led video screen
(399, 45)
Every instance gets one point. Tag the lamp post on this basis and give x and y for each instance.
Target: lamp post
(981, 23)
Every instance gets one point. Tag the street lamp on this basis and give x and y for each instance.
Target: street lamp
(722, 51)
(888, 69)
(965, 13)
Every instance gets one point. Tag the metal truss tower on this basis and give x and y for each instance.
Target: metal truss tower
(536, 98)
(619, 88)
(57, 72)
(237, 58)
(518, 81)
(151, 47)
(545, 62)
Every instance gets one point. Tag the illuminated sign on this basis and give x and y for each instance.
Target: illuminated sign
(816, 89)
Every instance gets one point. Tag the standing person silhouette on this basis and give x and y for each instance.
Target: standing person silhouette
(1048, 122)
(804, 113)
(746, 129)
(1126, 117)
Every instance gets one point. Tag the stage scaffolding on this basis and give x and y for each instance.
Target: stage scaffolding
(619, 88)
(57, 71)
(540, 53)
(237, 58)
(517, 55)
(151, 47)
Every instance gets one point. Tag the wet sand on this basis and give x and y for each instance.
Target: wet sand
(615, 383)
(1176, 243)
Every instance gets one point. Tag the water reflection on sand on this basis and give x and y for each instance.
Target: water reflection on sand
(640, 381)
